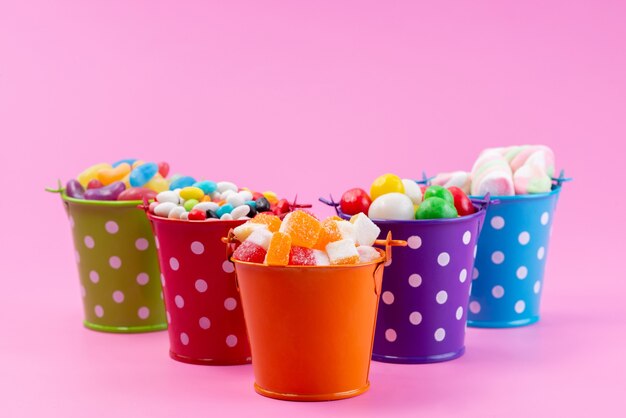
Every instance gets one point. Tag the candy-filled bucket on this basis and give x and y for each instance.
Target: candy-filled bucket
(206, 324)
(512, 253)
(117, 265)
(311, 327)
(423, 308)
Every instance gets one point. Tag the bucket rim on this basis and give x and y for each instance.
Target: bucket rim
(103, 203)
(556, 189)
(376, 262)
(157, 218)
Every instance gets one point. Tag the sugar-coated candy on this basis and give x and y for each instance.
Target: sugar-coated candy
(460, 179)
(197, 215)
(163, 209)
(300, 256)
(263, 205)
(365, 231)
(279, 249)
(346, 230)
(177, 212)
(302, 227)
(387, 183)
(181, 181)
(222, 186)
(261, 237)
(224, 209)
(191, 192)
(110, 192)
(240, 211)
(168, 196)
(94, 184)
(438, 191)
(142, 174)
(329, 232)
(110, 175)
(367, 253)
(250, 252)
(396, 206)
(272, 221)
(190, 204)
(342, 252)
(243, 231)
(74, 189)
(137, 193)
(354, 201)
(462, 203)
(91, 173)
(321, 258)
(436, 208)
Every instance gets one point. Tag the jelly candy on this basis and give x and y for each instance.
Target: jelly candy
(190, 204)
(342, 252)
(462, 203)
(142, 174)
(387, 183)
(250, 252)
(181, 181)
(413, 190)
(439, 191)
(110, 192)
(94, 184)
(197, 215)
(354, 201)
(243, 231)
(367, 254)
(137, 193)
(435, 208)
(74, 189)
(262, 205)
(207, 206)
(177, 212)
(272, 221)
(91, 173)
(222, 186)
(210, 214)
(303, 228)
(300, 256)
(392, 206)
(158, 184)
(206, 186)
(279, 249)
(240, 211)
(271, 197)
(168, 196)
(191, 192)
(252, 205)
(164, 168)
(321, 258)
(129, 161)
(328, 233)
(110, 175)
(366, 232)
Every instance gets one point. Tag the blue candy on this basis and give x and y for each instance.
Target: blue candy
(251, 203)
(130, 162)
(227, 208)
(183, 181)
(207, 186)
(143, 174)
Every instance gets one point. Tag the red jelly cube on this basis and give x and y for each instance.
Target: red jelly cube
(300, 256)
(250, 252)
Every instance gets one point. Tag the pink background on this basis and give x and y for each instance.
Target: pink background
(311, 98)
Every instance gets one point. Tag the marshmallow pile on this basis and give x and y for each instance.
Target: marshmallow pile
(505, 171)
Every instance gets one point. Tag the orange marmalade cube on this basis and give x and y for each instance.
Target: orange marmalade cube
(328, 233)
(272, 221)
(303, 228)
(278, 250)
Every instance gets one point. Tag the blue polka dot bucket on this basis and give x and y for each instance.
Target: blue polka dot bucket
(511, 257)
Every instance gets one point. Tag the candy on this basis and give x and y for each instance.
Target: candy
(164, 168)
(181, 181)
(491, 174)
(346, 230)
(367, 254)
(142, 174)
(354, 201)
(531, 178)
(282, 206)
(94, 184)
(392, 206)
(190, 204)
(110, 192)
(177, 212)
(272, 221)
(168, 196)
(137, 193)
(270, 196)
(235, 200)
(250, 252)
(110, 175)
(75, 189)
(224, 209)
(303, 228)
(365, 231)
(129, 161)
(342, 252)
(226, 217)
(222, 186)
(387, 183)
(191, 192)
(300, 256)
(211, 214)
(278, 250)
(243, 231)
(240, 211)
(252, 205)
(206, 206)
(261, 237)
(91, 173)
(462, 203)
(206, 186)
(460, 179)
(197, 215)
(329, 232)
(158, 184)
(321, 258)
(412, 190)
(262, 205)
(163, 209)
(436, 208)
(438, 191)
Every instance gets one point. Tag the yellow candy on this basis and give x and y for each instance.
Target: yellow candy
(111, 175)
(126, 180)
(91, 173)
(158, 183)
(138, 163)
(271, 197)
(191, 193)
(387, 183)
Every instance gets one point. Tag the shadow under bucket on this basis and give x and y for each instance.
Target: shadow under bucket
(206, 323)
(311, 328)
(512, 252)
(423, 309)
(117, 265)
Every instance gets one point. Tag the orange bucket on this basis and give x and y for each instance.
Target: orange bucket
(311, 329)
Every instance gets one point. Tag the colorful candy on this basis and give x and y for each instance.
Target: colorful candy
(110, 192)
(354, 201)
(387, 183)
(436, 208)
(75, 189)
(303, 228)
(137, 193)
(396, 206)
(278, 250)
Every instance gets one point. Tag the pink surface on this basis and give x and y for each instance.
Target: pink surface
(311, 98)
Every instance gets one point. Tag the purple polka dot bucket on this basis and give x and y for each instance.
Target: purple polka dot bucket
(422, 312)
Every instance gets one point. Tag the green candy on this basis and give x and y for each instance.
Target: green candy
(189, 204)
(441, 192)
(435, 208)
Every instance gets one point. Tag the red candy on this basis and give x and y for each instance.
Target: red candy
(355, 201)
(462, 203)
(300, 256)
(282, 206)
(94, 184)
(137, 193)
(197, 215)
(250, 252)
(164, 168)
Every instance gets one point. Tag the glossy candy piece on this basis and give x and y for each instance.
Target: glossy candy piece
(396, 206)
(413, 190)
(137, 193)
(94, 184)
(158, 184)
(262, 204)
(354, 201)
(282, 206)
(435, 208)
(329, 232)
(302, 227)
(110, 192)
(272, 221)
(300, 256)
(206, 186)
(143, 174)
(129, 161)
(224, 209)
(462, 203)
(191, 192)
(190, 204)
(168, 196)
(197, 215)
(387, 183)
(439, 191)
(74, 189)
(250, 252)
(164, 208)
(164, 169)
(110, 175)
(271, 197)
(91, 173)
(278, 250)
(182, 181)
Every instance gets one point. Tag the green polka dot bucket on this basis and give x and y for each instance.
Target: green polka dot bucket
(117, 265)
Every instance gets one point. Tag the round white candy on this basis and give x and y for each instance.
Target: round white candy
(412, 189)
(396, 206)
(163, 209)
(227, 217)
(177, 212)
(167, 196)
(222, 186)
(245, 195)
(184, 216)
(204, 206)
(240, 211)
(235, 200)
